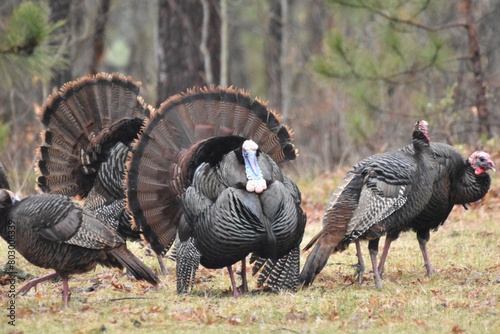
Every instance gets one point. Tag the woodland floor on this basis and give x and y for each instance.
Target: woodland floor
(462, 297)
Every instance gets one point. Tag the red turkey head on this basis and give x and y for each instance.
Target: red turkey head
(423, 127)
(481, 162)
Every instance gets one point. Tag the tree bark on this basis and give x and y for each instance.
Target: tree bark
(224, 48)
(60, 10)
(181, 61)
(285, 64)
(273, 55)
(475, 60)
(98, 42)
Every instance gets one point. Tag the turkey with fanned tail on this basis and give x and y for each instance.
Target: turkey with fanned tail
(206, 169)
(89, 125)
(378, 194)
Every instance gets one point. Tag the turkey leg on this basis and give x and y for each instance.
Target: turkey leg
(65, 290)
(244, 283)
(236, 291)
(360, 270)
(383, 256)
(373, 248)
(423, 237)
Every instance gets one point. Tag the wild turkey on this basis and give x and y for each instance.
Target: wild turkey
(52, 231)
(459, 181)
(88, 127)
(380, 193)
(187, 174)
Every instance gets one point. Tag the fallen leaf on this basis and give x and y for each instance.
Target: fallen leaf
(457, 329)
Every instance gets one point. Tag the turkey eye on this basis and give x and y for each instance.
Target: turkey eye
(481, 159)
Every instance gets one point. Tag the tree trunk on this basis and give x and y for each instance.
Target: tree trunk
(273, 63)
(475, 59)
(182, 63)
(285, 63)
(98, 42)
(224, 48)
(60, 10)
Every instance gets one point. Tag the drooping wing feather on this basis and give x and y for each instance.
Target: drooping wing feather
(388, 179)
(60, 220)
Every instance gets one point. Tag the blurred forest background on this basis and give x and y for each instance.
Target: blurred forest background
(349, 76)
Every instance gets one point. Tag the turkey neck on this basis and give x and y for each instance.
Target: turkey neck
(469, 187)
(422, 185)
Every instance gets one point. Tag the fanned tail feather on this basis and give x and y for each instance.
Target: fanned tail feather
(79, 125)
(187, 263)
(278, 275)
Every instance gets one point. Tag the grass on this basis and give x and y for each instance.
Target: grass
(462, 297)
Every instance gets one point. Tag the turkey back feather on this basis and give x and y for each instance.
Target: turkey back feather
(83, 120)
(169, 149)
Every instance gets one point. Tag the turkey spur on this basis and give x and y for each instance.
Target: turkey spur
(381, 193)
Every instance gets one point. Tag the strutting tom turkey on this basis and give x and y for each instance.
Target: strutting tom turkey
(378, 194)
(54, 232)
(206, 168)
(458, 181)
(89, 125)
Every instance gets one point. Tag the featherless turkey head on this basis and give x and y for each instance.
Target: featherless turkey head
(481, 162)
(256, 182)
(421, 130)
(7, 198)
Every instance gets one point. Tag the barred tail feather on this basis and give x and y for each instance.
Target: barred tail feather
(187, 263)
(278, 275)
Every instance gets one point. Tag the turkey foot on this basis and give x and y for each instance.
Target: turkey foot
(32, 284)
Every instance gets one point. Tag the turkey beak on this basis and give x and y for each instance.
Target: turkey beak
(13, 197)
(491, 165)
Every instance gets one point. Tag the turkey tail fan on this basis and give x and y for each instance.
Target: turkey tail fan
(83, 120)
(278, 275)
(158, 168)
(135, 266)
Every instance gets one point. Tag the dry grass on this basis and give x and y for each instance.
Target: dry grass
(463, 296)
